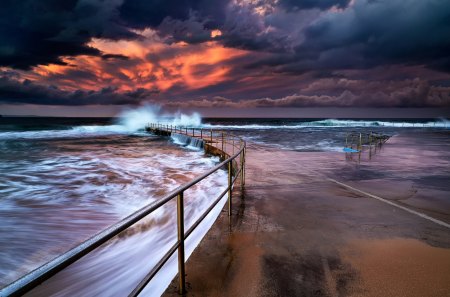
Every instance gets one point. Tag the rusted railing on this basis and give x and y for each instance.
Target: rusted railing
(227, 145)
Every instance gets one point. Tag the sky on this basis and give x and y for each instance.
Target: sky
(226, 57)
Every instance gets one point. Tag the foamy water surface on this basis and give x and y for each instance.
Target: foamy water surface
(60, 187)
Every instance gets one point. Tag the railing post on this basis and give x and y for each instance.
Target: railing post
(201, 133)
(245, 153)
(360, 141)
(181, 268)
(242, 165)
(222, 141)
(193, 132)
(230, 180)
(211, 135)
(233, 145)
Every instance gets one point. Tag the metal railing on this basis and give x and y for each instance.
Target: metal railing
(227, 145)
(358, 139)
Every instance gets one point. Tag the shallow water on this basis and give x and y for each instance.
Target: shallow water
(60, 187)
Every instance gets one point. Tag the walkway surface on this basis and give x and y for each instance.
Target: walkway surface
(295, 232)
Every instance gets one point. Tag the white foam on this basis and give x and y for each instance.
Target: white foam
(439, 123)
(186, 141)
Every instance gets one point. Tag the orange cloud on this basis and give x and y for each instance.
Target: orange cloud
(151, 63)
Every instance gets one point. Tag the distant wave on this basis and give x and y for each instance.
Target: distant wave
(441, 123)
(71, 132)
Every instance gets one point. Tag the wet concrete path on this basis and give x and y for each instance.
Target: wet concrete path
(296, 233)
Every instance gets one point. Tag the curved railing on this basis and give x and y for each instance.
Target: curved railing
(228, 146)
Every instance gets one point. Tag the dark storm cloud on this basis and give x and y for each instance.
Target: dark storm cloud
(292, 5)
(151, 13)
(186, 20)
(245, 29)
(415, 93)
(373, 33)
(14, 91)
(114, 57)
(191, 30)
(36, 32)
(286, 39)
(363, 35)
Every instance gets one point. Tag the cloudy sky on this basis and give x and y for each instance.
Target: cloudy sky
(93, 57)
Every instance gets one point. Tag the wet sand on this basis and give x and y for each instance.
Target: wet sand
(296, 233)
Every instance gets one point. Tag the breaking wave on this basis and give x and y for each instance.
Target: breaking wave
(439, 123)
(130, 121)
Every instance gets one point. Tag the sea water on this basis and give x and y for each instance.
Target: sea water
(62, 180)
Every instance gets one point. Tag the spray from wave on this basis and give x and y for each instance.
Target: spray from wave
(136, 119)
(129, 121)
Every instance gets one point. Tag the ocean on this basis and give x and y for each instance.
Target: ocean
(62, 180)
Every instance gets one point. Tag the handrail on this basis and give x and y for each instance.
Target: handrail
(46, 271)
(363, 138)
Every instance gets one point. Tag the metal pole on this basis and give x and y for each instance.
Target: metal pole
(211, 135)
(225, 141)
(181, 268)
(242, 167)
(233, 145)
(222, 141)
(193, 132)
(230, 180)
(245, 153)
(201, 133)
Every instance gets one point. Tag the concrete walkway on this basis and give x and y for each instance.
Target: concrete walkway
(296, 233)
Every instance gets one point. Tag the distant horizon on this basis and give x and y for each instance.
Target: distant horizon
(255, 118)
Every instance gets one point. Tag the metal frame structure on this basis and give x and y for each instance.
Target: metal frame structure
(359, 139)
(224, 143)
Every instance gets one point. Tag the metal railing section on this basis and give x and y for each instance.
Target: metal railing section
(357, 139)
(230, 147)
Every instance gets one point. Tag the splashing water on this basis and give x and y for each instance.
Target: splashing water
(193, 120)
(136, 119)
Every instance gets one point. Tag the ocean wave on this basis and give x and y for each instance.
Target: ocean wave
(440, 123)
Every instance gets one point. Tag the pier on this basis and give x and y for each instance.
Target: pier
(358, 140)
(313, 224)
